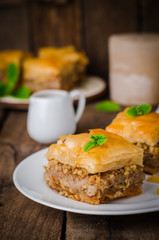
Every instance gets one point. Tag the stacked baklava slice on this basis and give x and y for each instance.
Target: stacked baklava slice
(54, 68)
(107, 171)
(142, 131)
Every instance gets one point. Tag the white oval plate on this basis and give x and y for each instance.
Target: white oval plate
(28, 178)
(91, 88)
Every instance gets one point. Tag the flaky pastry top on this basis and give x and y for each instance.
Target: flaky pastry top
(143, 129)
(67, 54)
(114, 154)
(34, 66)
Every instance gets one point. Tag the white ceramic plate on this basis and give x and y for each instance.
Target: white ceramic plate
(28, 178)
(91, 87)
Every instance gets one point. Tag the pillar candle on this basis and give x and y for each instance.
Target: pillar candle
(134, 68)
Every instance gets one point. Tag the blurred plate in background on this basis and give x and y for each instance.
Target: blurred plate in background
(92, 87)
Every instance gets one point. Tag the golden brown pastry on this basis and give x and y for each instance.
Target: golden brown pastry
(46, 73)
(11, 56)
(143, 131)
(46, 52)
(70, 56)
(54, 68)
(104, 172)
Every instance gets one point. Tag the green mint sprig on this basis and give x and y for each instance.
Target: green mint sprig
(5, 89)
(22, 92)
(107, 106)
(99, 139)
(139, 110)
(8, 88)
(12, 75)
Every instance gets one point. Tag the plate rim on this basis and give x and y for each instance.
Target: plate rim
(22, 104)
(76, 210)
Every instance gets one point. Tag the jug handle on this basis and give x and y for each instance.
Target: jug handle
(76, 94)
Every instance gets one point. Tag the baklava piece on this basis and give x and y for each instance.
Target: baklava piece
(142, 131)
(11, 56)
(46, 73)
(77, 61)
(103, 173)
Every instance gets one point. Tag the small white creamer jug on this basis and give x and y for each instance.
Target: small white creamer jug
(51, 114)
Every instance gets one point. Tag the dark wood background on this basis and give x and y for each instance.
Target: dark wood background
(87, 24)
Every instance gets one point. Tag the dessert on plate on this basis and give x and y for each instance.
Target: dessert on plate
(94, 167)
(143, 131)
(54, 68)
(42, 73)
(76, 60)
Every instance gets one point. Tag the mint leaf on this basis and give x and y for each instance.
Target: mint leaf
(94, 137)
(4, 89)
(139, 110)
(143, 109)
(22, 92)
(101, 136)
(12, 74)
(89, 145)
(99, 139)
(107, 106)
(131, 112)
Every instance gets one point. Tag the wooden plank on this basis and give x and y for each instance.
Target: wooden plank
(14, 28)
(20, 217)
(10, 3)
(56, 26)
(94, 119)
(136, 227)
(150, 15)
(58, 2)
(7, 154)
(14, 132)
(2, 116)
(101, 19)
(87, 227)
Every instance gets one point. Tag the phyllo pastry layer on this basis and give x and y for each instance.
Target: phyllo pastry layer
(105, 172)
(73, 59)
(143, 131)
(46, 73)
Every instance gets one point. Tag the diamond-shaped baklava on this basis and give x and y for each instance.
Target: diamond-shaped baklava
(142, 131)
(69, 55)
(105, 172)
(46, 73)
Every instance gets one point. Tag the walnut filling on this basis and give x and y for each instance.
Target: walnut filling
(151, 157)
(78, 184)
(51, 82)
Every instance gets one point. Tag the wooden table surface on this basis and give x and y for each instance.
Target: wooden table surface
(21, 218)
